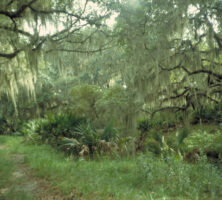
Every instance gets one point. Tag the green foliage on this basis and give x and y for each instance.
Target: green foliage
(84, 98)
(59, 125)
(165, 119)
(109, 133)
(117, 104)
(157, 135)
(153, 146)
(182, 134)
(4, 129)
(10, 187)
(173, 177)
(71, 133)
(159, 121)
(8, 126)
(209, 113)
(204, 142)
(69, 145)
(141, 177)
(175, 140)
(88, 135)
(29, 130)
(144, 125)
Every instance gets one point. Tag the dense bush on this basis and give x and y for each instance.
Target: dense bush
(175, 140)
(144, 125)
(208, 113)
(59, 125)
(109, 133)
(4, 129)
(166, 119)
(87, 135)
(174, 177)
(8, 126)
(28, 130)
(204, 143)
(159, 121)
(70, 133)
(153, 146)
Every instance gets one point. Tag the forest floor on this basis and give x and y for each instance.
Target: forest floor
(18, 181)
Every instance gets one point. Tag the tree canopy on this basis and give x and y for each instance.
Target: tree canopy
(163, 54)
(32, 30)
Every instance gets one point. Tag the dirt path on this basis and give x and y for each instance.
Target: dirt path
(26, 181)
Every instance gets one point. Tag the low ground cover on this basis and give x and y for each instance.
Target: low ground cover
(12, 182)
(135, 177)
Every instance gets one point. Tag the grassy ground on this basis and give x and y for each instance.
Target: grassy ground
(141, 177)
(12, 184)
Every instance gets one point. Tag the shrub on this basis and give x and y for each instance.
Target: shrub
(88, 135)
(208, 113)
(29, 128)
(153, 146)
(164, 119)
(182, 134)
(144, 125)
(69, 145)
(176, 140)
(175, 178)
(7, 127)
(59, 125)
(204, 142)
(69, 132)
(109, 133)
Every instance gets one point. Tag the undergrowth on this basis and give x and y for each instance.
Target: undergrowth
(140, 177)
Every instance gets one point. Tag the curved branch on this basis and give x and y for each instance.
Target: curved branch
(175, 108)
(190, 73)
(9, 55)
(170, 69)
(17, 13)
(177, 96)
(219, 76)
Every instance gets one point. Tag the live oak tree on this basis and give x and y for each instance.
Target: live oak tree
(26, 40)
(160, 54)
(166, 54)
(173, 51)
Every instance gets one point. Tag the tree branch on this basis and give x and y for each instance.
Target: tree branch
(16, 30)
(175, 108)
(177, 96)
(17, 14)
(219, 76)
(207, 97)
(78, 51)
(190, 73)
(9, 55)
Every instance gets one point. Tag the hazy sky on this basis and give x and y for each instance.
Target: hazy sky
(50, 28)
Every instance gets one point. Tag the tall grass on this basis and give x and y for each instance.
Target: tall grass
(141, 177)
(172, 177)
